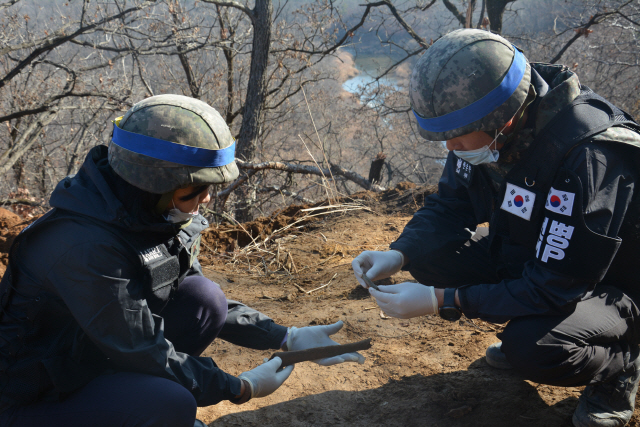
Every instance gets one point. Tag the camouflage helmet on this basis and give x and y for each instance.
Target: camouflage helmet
(168, 142)
(469, 80)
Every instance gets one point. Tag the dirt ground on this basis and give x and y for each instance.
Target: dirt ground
(419, 372)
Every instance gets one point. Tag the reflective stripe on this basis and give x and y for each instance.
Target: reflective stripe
(172, 152)
(483, 106)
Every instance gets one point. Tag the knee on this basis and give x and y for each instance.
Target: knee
(540, 354)
(216, 302)
(171, 405)
(520, 352)
(128, 398)
(209, 297)
(536, 357)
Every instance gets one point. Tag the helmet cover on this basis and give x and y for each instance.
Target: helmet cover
(167, 142)
(469, 80)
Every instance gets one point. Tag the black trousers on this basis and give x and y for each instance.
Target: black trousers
(593, 344)
(192, 321)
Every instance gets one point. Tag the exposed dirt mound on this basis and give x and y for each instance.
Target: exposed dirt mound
(8, 219)
(10, 225)
(229, 237)
(406, 197)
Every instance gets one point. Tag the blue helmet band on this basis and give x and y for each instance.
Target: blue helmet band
(172, 152)
(483, 106)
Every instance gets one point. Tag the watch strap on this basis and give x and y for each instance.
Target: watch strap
(449, 298)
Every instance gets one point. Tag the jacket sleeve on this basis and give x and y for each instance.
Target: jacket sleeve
(249, 328)
(99, 285)
(607, 178)
(442, 225)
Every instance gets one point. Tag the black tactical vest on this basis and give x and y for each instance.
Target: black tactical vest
(525, 188)
(163, 264)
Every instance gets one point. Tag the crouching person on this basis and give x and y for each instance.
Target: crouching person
(104, 307)
(553, 168)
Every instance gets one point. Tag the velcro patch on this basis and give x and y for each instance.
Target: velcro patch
(464, 171)
(518, 201)
(151, 254)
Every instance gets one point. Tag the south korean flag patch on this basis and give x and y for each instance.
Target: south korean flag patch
(518, 201)
(560, 202)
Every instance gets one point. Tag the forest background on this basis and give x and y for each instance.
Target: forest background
(314, 91)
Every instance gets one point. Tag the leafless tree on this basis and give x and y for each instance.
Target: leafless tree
(275, 69)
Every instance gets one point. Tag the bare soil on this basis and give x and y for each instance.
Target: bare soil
(419, 372)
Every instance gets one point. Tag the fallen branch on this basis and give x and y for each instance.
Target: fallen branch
(323, 286)
(4, 202)
(294, 195)
(358, 179)
(250, 169)
(293, 357)
(300, 288)
(310, 170)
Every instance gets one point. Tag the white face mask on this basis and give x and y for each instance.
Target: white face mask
(175, 215)
(481, 155)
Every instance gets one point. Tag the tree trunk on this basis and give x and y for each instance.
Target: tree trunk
(469, 17)
(254, 102)
(375, 171)
(257, 87)
(495, 10)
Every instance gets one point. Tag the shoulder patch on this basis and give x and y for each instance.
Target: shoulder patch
(518, 201)
(555, 240)
(560, 202)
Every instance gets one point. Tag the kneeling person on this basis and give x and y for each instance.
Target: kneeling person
(105, 310)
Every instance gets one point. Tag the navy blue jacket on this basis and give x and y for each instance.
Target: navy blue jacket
(78, 308)
(606, 170)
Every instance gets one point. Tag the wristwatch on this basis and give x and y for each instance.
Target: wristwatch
(449, 311)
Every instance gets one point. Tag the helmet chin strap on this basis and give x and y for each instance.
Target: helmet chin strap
(504, 139)
(163, 202)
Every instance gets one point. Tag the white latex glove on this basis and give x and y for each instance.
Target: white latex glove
(406, 300)
(377, 264)
(265, 379)
(318, 336)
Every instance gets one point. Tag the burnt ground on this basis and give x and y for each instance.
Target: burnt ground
(419, 372)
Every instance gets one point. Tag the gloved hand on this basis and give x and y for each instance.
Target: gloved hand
(377, 264)
(406, 300)
(265, 379)
(318, 336)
